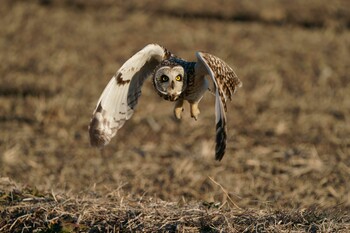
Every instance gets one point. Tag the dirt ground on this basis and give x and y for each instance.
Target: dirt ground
(287, 163)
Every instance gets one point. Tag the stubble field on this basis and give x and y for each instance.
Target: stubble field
(287, 163)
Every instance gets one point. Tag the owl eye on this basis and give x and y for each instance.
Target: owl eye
(164, 78)
(178, 78)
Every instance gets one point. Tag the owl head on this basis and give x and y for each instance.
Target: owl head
(169, 80)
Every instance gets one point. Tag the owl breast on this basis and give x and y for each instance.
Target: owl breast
(196, 87)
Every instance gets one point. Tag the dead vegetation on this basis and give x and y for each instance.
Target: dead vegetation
(28, 210)
(287, 162)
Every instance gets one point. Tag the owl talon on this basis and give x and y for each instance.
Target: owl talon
(178, 109)
(195, 117)
(178, 113)
(194, 111)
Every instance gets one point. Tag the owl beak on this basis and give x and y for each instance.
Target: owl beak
(172, 85)
(173, 97)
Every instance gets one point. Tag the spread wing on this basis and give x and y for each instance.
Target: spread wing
(119, 98)
(226, 84)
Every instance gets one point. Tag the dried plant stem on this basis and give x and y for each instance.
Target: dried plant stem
(226, 193)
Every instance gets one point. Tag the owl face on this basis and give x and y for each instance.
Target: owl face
(169, 82)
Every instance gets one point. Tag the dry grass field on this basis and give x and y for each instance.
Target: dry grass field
(287, 164)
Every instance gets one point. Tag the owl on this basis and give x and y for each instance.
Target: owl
(175, 80)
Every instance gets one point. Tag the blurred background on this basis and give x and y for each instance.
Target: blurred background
(288, 126)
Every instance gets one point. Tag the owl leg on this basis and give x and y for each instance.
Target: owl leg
(178, 108)
(194, 110)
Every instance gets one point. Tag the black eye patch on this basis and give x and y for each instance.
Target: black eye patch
(164, 78)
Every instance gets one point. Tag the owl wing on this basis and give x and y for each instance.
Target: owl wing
(119, 98)
(226, 84)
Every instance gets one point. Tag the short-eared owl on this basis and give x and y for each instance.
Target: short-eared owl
(175, 80)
